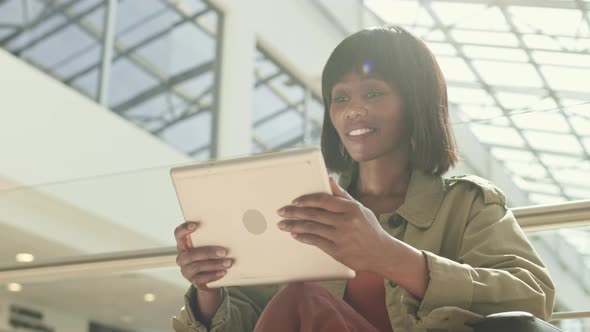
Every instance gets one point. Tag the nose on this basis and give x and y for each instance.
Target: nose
(356, 111)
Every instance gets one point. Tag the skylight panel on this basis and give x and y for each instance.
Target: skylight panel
(532, 170)
(548, 20)
(485, 38)
(490, 18)
(560, 161)
(511, 74)
(455, 69)
(441, 48)
(475, 112)
(560, 78)
(469, 96)
(546, 121)
(566, 59)
(581, 178)
(501, 136)
(397, 12)
(543, 42)
(454, 13)
(435, 35)
(495, 53)
(518, 101)
(513, 154)
(553, 142)
(537, 186)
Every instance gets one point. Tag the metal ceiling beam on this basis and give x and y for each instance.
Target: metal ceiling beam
(45, 15)
(426, 5)
(165, 85)
(110, 18)
(546, 85)
(141, 63)
(56, 29)
(276, 114)
(126, 51)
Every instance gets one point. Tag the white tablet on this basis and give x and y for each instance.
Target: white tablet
(236, 202)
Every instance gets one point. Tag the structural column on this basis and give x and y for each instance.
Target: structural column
(232, 123)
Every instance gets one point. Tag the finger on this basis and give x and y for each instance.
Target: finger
(324, 201)
(200, 254)
(313, 214)
(308, 227)
(202, 279)
(205, 266)
(181, 234)
(337, 190)
(324, 244)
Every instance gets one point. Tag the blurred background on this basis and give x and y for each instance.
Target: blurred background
(101, 97)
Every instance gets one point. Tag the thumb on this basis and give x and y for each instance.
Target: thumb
(337, 190)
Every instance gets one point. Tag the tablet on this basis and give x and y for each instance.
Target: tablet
(236, 202)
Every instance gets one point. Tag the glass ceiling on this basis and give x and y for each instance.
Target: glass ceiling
(518, 73)
(519, 76)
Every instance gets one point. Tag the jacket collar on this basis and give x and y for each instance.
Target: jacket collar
(423, 199)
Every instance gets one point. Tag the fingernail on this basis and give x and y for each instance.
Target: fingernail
(220, 273)
(227, 263)
(282, 225)
(281, 211)
(295, 202)
(191, 227)
(295, 235)
(221, 252)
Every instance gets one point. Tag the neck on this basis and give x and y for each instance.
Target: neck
(388, 176)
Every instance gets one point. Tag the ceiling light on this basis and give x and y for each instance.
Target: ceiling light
(24, 258)
(14, 287)
(149, 297)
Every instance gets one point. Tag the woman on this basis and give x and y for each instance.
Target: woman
(430, 253)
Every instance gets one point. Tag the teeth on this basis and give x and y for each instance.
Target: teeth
(358, 132)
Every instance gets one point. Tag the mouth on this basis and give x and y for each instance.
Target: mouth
(360, 132)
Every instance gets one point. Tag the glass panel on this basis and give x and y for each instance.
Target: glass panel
(566, 254)
(132, 210)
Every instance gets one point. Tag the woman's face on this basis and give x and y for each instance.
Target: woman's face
(366, 112)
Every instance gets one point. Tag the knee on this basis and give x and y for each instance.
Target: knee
(301, 290)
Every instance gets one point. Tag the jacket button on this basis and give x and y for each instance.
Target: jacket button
(395, 221)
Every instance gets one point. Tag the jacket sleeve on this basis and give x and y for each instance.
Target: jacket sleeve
(239, 310)
(497, 270)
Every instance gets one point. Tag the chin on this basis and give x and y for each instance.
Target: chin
(362, 156)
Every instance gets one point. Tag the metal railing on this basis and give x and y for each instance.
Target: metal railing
(533, 218)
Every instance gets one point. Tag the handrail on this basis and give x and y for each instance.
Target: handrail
(546, 217)
(532, 218)
(557, 316)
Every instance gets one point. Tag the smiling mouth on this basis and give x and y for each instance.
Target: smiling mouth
(360, 132)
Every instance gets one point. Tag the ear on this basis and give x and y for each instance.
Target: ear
(337, 190)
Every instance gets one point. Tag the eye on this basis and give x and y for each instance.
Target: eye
(339, 99)
(373, 94)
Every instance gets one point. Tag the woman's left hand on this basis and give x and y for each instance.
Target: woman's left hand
(339, 225)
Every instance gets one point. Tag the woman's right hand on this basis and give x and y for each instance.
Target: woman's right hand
(200, 266)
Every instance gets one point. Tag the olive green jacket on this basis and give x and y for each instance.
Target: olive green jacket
(480, 263)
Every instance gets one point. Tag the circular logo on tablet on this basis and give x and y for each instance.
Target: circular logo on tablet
(254, 222)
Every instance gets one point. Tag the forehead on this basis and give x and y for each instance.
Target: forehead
(356, 77)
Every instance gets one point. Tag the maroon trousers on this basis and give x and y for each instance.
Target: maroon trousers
(307, 307)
